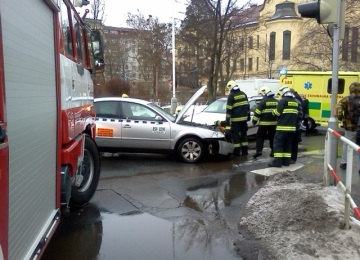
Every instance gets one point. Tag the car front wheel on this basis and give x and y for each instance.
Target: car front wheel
(190, 150)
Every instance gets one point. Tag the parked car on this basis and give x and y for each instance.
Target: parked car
(217, 111)
(135, 125)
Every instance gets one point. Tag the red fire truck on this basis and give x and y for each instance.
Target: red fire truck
(48, 158)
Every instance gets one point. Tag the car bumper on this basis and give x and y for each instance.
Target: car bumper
(220, 147)
(225, 148)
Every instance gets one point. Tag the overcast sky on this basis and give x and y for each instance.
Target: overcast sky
(116, 10)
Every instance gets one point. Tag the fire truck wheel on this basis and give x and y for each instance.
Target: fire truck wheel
(82, 193)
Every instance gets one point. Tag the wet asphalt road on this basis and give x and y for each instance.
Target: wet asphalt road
(155, 207)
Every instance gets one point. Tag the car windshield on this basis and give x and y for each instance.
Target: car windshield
(163, 112)
(253, 104)
(218, 106)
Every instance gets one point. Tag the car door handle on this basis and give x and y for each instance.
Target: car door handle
(127, 126)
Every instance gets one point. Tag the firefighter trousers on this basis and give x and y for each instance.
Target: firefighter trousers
(265, 132)
(239, 137)
(282, 147)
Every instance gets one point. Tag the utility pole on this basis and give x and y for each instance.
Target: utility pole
(173, 99)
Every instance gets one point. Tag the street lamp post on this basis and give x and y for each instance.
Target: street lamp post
(173, 99)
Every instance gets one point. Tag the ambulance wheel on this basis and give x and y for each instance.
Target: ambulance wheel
(89, 173)
(311, 123)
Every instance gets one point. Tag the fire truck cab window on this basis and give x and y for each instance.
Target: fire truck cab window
(79, 37)
(66, 29)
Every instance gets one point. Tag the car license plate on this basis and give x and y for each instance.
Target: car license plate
(106, 132)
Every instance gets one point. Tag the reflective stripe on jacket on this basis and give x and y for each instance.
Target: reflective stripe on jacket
(237, 107)
(263, 112)
(287, 113)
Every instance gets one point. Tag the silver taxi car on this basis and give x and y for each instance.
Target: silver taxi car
(135, 125)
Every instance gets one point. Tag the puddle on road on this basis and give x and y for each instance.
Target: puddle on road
(218, 194)
(93, 233)
(139, 236)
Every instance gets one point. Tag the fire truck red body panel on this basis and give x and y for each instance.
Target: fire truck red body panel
(46, 121)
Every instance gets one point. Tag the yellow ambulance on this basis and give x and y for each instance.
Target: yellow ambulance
(316, 86)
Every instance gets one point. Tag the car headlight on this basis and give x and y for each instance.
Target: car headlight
(218, 134)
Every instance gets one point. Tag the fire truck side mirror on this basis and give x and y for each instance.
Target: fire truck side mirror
(98, 50)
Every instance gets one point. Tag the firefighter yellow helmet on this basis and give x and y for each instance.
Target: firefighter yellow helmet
(178, 109)
(231, 84)
(282, 90)
(124, 95)
(264, 90)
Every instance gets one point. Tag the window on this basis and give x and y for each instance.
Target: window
(258, 42)
(242, 44)
(242, 65)
(250, 42)
(80, 43)
(345, 45)
(272, 46)
(286, 45)
(341, 86)
(107, 109)
(67, 34)
(354, 44)
(257, 63)
(136, 111)
(250, 65)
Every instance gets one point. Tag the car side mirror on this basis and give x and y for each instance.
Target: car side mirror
(158, 118)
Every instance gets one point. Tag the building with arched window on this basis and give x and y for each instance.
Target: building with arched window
(274, 36)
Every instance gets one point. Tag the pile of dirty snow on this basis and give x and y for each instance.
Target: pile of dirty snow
(298, 220)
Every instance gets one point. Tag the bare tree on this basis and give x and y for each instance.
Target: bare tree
(98, 12)
(152, 42)
(117, 59)
(219, 41)
(314, 49)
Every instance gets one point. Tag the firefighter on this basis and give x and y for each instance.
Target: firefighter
(267, 121)
(287, 114)
(297, 136)
(237, 115)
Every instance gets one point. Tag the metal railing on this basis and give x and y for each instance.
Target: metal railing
(328, 169)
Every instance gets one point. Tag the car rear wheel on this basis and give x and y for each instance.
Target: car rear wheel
(190, 150)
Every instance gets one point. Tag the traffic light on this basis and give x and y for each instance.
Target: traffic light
(324, 11)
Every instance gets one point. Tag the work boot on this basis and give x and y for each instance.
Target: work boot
(244, 150)
(257, 154)
(237, 151)
(275, 163)
(286, 161)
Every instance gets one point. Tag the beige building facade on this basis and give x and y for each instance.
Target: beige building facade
(275, 37)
